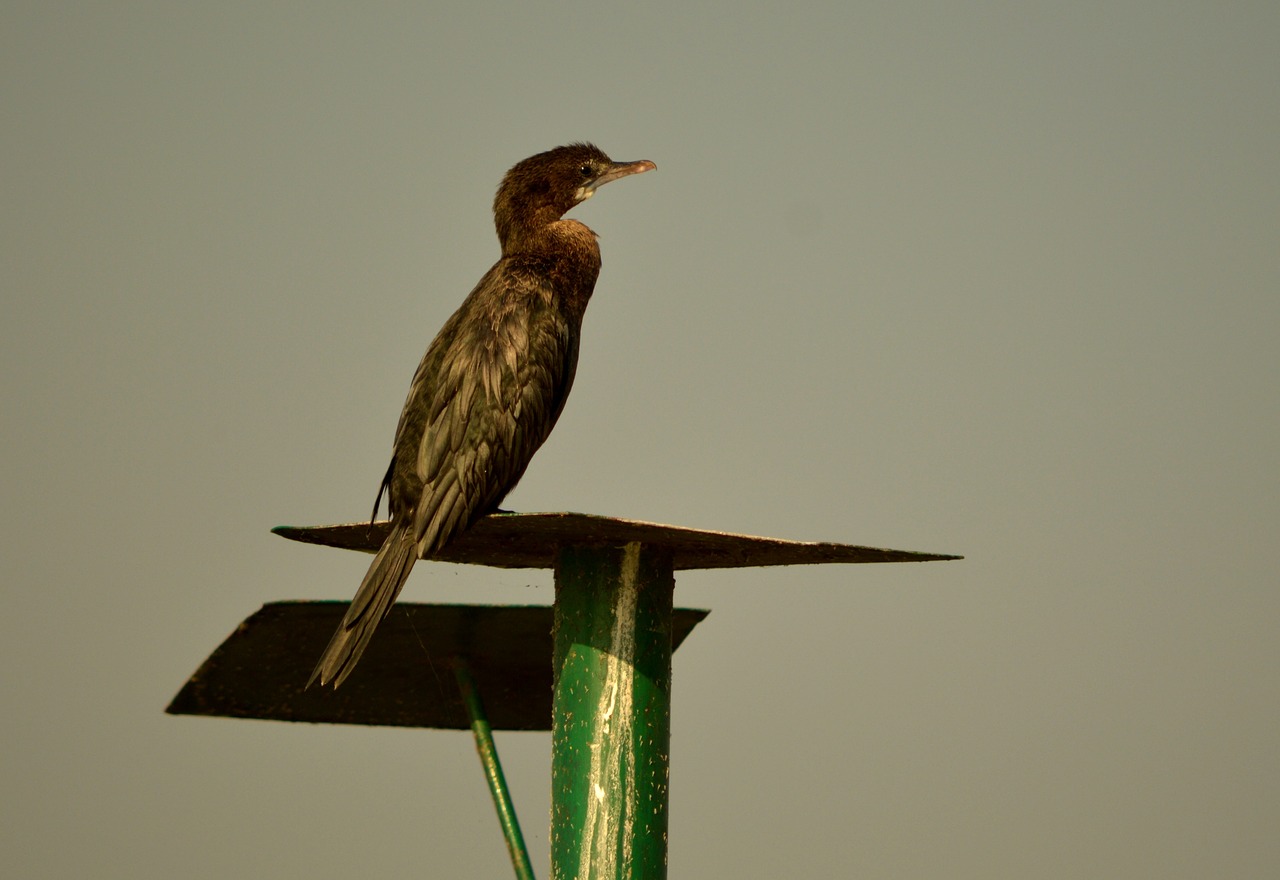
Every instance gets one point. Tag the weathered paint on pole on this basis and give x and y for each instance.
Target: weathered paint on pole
(611, 721)
(488, 751)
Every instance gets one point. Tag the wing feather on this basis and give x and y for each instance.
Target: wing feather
(485, 397)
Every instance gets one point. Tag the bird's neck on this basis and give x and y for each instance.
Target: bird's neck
(561, 241)
(565, 252)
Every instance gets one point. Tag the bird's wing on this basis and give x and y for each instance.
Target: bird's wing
(490, 389)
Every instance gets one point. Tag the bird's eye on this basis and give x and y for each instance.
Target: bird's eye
(585, 170)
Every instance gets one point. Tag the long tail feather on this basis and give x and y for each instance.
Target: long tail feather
(378, 591)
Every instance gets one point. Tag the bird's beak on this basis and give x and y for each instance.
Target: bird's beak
(616, 170)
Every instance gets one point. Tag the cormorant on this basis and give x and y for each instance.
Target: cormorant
(492, 383)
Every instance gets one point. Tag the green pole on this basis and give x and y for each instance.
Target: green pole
(611, 720)
(488, 751)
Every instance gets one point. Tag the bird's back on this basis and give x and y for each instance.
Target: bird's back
(489, 390)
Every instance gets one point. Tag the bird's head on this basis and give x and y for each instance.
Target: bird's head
(539, 190)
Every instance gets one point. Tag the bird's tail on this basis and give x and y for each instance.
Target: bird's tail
(378, 591)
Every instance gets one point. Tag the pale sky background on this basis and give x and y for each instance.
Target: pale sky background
(997, 279)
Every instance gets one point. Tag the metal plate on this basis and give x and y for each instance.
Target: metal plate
(405, 679)
(532, 540)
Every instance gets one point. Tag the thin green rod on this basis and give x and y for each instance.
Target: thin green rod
(611, 717)
(488, 752)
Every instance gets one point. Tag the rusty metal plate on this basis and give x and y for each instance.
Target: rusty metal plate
(532, 540)
(405, 678)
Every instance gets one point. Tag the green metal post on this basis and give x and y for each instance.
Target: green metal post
(611, 718)
(488, 751)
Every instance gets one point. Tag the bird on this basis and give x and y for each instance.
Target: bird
(491, 385)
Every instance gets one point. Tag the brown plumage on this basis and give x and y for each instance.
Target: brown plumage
(492, 383)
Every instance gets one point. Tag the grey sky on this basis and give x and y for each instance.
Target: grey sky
(995, 279)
